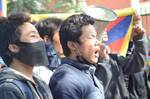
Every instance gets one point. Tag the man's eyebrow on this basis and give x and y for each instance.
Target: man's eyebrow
(33, 32)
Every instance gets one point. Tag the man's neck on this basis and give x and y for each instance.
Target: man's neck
(22, 68)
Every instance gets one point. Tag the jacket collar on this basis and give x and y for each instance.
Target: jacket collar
(76, 64)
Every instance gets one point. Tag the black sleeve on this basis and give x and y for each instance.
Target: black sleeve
(137, 60)
(10, 91)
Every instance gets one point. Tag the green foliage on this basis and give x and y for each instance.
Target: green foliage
(41, 6)
(31, 6)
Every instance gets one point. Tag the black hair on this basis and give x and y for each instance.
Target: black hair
(10, 33)
(48, 27)
(71, 30)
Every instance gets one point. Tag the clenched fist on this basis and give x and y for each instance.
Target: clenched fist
(138, 31)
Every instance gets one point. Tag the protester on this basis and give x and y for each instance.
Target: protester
(111, 67)
(74, 78)
(21, 48)
(49, 31)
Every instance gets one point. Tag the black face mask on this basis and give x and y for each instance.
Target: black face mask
(33, 54)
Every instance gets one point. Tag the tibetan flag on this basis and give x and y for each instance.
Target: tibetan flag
(119, 31)
(148, 58)
(3, 8)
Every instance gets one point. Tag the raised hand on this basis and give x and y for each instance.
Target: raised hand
(138, 31)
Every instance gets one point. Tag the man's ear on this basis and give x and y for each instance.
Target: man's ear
(71, 45)
(45, 38)
(13, 48)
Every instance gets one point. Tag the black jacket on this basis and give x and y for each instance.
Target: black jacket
(72, 80)
(13, 85)
(111, 72)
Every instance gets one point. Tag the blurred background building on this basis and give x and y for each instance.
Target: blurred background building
(72, 6)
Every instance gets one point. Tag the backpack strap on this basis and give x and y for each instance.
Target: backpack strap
(25, 90)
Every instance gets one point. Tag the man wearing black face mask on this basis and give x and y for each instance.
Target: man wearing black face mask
(21, 48)
(31, 53)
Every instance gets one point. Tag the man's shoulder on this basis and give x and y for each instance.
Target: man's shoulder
(65, 79)
(66, 73)
(70, 76)
(67, 70)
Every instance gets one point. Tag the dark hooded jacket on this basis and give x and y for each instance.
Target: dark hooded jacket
(14, 85)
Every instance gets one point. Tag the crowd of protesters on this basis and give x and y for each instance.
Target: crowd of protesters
(55, 59)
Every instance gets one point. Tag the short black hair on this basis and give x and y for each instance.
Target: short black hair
(10, 33)
(71, 30)
(48, 27)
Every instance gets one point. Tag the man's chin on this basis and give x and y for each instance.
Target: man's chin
(94, 61)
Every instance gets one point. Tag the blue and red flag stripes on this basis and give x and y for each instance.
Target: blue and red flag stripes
(119, 32)
(149, 52)
(148, 58)
(3, 8)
